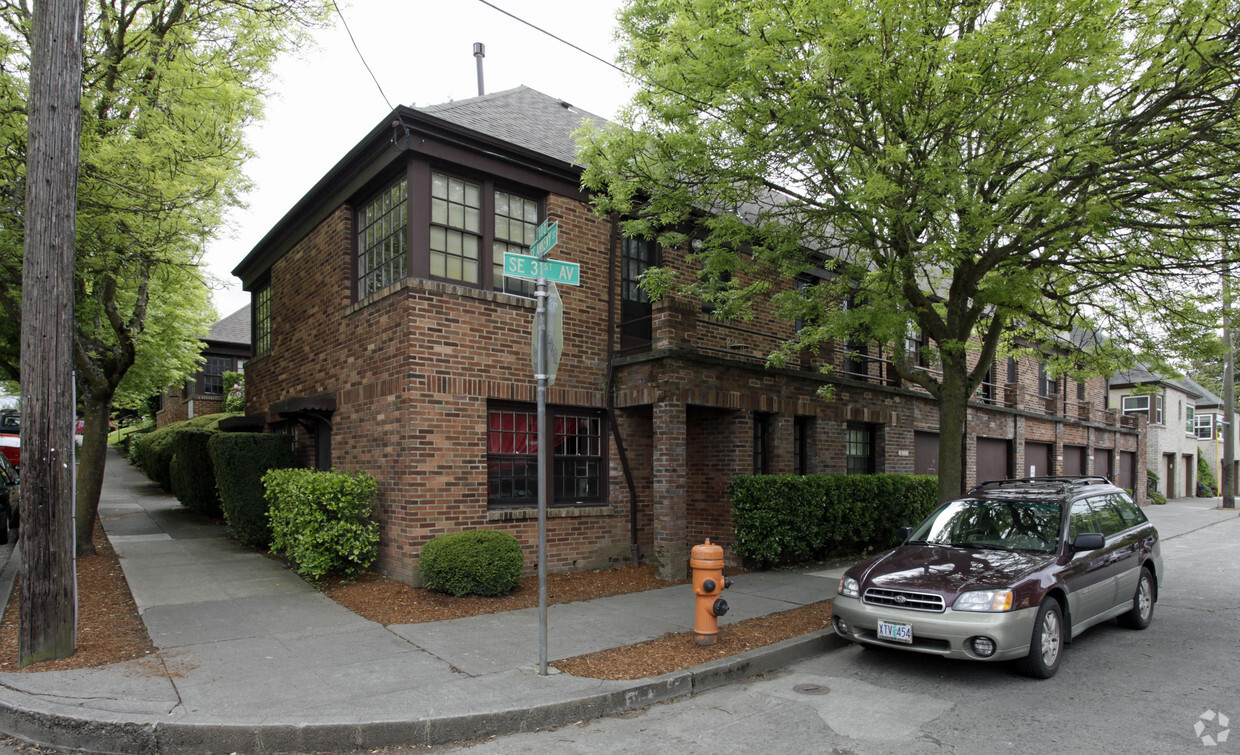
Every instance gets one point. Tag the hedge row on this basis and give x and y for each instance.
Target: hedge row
(784, 519)
(215, 473)
(193, 477)
(240, 460)
(154, 451)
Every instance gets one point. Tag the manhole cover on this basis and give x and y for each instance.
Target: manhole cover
(812, 689)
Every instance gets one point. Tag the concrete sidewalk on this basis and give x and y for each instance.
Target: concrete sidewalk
(253, 659)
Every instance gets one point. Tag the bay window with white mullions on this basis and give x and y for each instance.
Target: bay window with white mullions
(1204, 426)
(578, 459)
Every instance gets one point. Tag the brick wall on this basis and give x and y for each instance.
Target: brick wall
(414, 367)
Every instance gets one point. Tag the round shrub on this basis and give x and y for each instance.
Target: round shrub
(473, 562)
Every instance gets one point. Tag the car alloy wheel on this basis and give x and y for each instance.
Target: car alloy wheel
(1046, 644)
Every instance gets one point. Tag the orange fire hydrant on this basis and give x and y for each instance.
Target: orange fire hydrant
(706, 561)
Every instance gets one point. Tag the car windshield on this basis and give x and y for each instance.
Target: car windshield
(998, 524)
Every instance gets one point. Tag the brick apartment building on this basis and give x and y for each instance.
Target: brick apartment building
(227, 347)
(386, 339)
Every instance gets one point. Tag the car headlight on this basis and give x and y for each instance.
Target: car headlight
(849, 587)
(984, 600)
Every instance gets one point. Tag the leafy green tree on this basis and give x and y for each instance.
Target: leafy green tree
(994, 175)
(168, 88)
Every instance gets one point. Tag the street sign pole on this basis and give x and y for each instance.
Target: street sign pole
(541, 376)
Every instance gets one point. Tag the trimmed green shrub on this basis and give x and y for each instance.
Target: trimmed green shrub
(240, 460)
(784, 519)
(193, 477)
(129, 442)
(321, 520)
(473, 562)
(155, 452)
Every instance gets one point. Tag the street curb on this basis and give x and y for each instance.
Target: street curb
(59, 726)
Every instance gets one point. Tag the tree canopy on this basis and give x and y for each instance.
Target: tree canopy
(168, 89)
(993, 175)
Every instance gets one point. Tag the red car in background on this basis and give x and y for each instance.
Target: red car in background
(10, 437)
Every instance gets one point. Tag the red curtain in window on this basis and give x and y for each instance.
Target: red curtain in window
(516, 433)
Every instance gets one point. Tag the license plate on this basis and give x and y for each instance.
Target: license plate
(895, 632)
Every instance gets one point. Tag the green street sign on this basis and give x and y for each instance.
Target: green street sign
(527, 266)
(546, 241)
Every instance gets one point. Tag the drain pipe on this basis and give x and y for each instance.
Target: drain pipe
(609, 393)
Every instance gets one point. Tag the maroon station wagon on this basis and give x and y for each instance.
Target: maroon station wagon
(1012, 571)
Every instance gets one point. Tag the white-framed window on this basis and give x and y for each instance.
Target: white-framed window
(1190, 426)
(1141, 405)
(1204, 426)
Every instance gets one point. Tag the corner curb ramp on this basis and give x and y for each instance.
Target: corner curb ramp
(45, 722)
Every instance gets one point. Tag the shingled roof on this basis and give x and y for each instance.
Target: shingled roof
(522, 116)
(232, 329)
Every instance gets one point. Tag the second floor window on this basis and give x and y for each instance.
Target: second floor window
(213, 374)
(430, 224)
(1204, 426)
(516, 220)
(382, 239)
(262, 319)
(1141, 405)
(456, 229)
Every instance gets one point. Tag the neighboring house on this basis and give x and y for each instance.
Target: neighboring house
(387, 339)
(1211, 428)
(1169, 406)
(227, 349)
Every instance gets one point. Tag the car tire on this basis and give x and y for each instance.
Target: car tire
(1142, 612)
(1047, 643)
(4, 524)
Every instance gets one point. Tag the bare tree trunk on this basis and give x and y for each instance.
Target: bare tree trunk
(953, 407)
(48, 601)
(90, 470)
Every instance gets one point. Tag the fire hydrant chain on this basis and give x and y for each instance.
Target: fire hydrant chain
(706, 561)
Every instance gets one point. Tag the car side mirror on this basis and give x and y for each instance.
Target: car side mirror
(904, 532)
(1088, 541)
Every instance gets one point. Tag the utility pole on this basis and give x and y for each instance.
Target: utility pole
(48, 597)
(1229, 396)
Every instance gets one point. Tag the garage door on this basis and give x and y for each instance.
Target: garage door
(1037, 459)
(1102, 462)
(1128, 470)
(992, 459)
(1074, 460)
(926, 453)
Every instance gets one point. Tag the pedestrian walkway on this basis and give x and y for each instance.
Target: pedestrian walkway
(253, 659)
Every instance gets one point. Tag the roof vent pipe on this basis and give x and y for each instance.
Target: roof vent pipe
(480, 52)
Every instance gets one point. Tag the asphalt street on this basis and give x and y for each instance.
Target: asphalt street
(1119, 690)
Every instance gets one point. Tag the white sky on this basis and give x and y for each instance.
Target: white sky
(421, 51)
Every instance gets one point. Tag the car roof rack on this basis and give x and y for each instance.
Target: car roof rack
(1056, 483)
